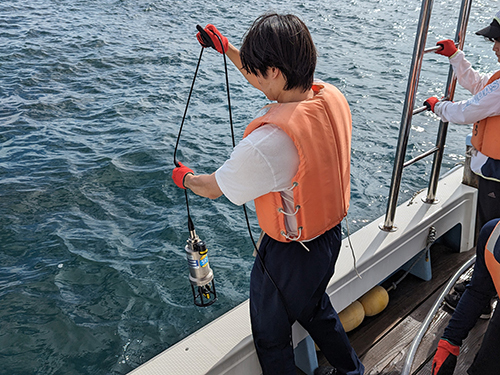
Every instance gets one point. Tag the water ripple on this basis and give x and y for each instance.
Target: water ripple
(93, 276)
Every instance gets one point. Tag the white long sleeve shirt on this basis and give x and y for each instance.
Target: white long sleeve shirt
(484, 103)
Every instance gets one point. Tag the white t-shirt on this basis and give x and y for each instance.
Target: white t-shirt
(265, 161)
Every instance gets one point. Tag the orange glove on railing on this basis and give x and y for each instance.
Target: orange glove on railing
(212, 31)
(448, 49)
(445, 358)
(179, 173)
(431, 103)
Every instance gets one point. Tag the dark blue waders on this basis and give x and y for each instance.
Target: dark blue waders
(478, 293)
(302, 277)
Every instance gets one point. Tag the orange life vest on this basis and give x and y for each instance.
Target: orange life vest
(320, 128)
(486, 133)
(489, 257)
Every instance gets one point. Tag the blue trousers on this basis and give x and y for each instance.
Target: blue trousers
(301, 277)
(488, 201)
(477, 295)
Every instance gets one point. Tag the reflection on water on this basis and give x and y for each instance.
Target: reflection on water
(93, 276)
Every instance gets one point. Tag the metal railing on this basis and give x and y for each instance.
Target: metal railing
(410, 355)
(409, 111)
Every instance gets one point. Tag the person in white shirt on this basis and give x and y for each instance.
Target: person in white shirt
(484, 104)
(294, 162)
(482, 109)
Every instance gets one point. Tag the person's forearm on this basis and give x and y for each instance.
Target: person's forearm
(482, 105)
(467, 77)
(204, 185)
(234, 55)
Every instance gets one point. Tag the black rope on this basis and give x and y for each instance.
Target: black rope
(185, 110)
(190, 223)
(261, 259)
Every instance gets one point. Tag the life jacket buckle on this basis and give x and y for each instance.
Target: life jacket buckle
(292, 238)
(282, 211)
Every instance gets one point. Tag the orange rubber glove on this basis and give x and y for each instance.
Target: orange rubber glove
(179, 173)
(212, 32)
(431, 103)
(445, 359)
(448, 49)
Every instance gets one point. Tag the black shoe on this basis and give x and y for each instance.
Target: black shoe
(460, 287)
(451, 300)
(486, 313)
(325, 370)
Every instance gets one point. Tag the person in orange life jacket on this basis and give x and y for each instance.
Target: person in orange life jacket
(485, 283)
(483, 109)
(294, 162)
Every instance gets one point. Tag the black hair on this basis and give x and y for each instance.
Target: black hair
(283, 42)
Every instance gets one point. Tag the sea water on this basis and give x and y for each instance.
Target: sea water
(93, 275)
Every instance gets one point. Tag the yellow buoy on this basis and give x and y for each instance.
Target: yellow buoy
(375, 300)
(352, 316)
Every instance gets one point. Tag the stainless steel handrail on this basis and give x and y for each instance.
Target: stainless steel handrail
(409, 112)
(404, 130)
(421, 156)
(450, 93)
(410, 355)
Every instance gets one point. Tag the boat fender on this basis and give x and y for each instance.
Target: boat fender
(375, 300)
(352, 316)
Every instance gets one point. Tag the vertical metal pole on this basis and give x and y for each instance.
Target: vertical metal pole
(404, 130)
(450, 92)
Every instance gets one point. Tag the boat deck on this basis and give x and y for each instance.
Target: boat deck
(382, 341)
